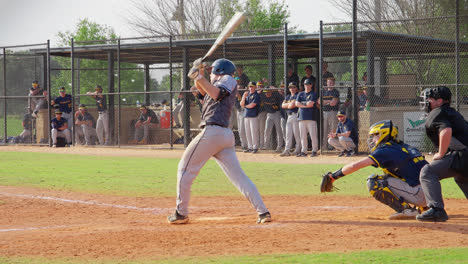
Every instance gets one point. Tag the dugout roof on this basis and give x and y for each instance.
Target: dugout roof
(256, 47)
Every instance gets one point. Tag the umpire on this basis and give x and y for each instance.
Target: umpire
(448, 131)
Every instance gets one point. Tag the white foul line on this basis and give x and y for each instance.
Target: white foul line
(31, 228)
(154, 210)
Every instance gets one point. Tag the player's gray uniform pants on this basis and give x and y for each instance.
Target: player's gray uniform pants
(217, 142)
(241, 128)
(89, 134)
(102, 127)
(413, 195)
(261, 127)
(330, 123)
(144, 131)
(26, 135)
(292, 131)
(251, 130)
(178, 111)
(342, 143)
(68, 116)
(308, 126)
(273, 120)
(437, 170)
(63, 133)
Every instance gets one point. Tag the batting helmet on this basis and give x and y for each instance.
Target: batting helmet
(222, 67)
(384, 130)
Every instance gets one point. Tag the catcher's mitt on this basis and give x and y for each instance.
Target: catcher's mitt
(327, 183)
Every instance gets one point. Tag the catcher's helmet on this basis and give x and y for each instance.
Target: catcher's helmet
(384, 130)
(222, 67)
(440, 92)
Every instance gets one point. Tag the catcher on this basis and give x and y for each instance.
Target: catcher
(399, 186)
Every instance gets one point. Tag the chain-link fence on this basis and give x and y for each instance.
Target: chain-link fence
(396, 60)
(146, 79)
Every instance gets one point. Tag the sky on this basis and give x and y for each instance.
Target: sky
(36, 21)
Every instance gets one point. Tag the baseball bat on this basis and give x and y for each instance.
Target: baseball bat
(230, 27)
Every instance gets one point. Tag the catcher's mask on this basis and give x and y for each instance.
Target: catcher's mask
(437, 92)
(384, 131)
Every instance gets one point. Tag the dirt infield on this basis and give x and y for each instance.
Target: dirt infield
(56, 224)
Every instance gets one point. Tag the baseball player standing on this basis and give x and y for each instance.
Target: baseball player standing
(215, 140)
(292, 124)
(64, 102)
(102, 124)
(448, 131)
(306, 101)
(251, 102)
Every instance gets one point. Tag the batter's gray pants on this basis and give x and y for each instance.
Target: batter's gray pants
(63, 133)
(261, 127)
(89, 134)
(330, 122)
(437, 170)
(292, 131)
(309, 126)
(217, 142)
(273, 120)
(342, 143)
(251, 130)
(102, 128)
(241, 128)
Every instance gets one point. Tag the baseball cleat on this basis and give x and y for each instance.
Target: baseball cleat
(434, 214)
(177, 218)
(342, 154)
(409, 213)
(313, 154)
(285, 154)
(302, 154)
(264, 218)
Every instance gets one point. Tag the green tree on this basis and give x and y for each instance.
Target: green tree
(93, 72)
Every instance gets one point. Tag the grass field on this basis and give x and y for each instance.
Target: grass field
(149, 177)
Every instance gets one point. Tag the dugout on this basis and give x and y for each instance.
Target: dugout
(391, 92)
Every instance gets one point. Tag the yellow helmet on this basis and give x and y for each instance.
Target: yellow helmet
(384, 130)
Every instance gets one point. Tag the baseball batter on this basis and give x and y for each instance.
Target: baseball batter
(215, 140)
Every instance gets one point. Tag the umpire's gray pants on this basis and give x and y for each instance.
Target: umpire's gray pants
(330, 122)
(241, 128)
(217, 142)
(308, 126)
(437, 170)
(273, 120)
(292, 131)
(261, 127)
(251, 131)
(342, 143)
(60, 133)
(102, 127)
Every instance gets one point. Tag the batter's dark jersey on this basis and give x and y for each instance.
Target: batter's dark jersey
(444, 117)
(65, 103)
(399, 160)
(218, 112)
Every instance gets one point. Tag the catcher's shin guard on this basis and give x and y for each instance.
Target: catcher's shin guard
(378, 188)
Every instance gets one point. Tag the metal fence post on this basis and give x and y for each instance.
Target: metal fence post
(354, 68)
(171, 134)
(119, 113)
(285, 58)
(4, 94)
(72, 57)
(457, 54)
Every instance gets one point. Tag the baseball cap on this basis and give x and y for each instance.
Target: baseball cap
(259, 83)
(62, 89)
(82, 106)
(441, 92)
(58, 112)
(282, 85)
(341, 113)
(308, 82)
(142, 106)
(98, 87)
(237, 79)
(292, 85)
(252, 84)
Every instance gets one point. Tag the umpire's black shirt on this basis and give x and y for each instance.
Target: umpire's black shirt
(444, 117)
